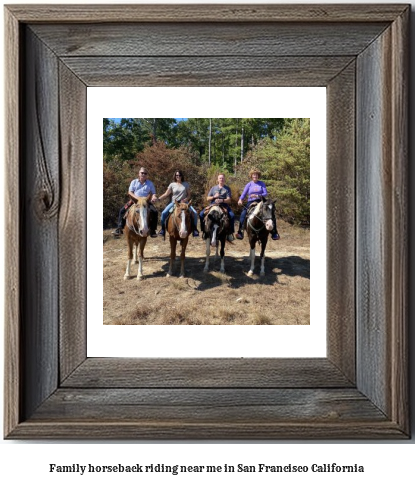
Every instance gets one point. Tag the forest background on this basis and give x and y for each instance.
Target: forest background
(200, 147)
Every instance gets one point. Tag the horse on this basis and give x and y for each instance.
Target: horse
(136, 230)
(179, 227)
(217, 226)
(258, 225)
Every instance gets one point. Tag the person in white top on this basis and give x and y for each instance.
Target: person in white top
(180, 192)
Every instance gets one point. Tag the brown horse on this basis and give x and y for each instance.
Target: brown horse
(178, 227)
(136, 230)
(258, 226)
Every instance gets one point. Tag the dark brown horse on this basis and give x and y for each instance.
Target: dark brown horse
(258, 226)
(136, 230)
(178, 227)
(216, 231)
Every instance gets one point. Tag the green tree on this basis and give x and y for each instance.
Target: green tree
(284, 162)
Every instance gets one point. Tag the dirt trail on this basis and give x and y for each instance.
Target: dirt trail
(282, 296)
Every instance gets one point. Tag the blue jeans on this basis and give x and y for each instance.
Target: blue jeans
(165, 213)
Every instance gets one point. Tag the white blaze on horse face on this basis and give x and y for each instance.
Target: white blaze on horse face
(268, 223)
(213, 240)
(143, 221)
(183, 229)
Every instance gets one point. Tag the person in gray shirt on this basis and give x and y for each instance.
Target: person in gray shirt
(179, 190)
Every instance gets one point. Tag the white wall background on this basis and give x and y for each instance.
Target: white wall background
(385, 463)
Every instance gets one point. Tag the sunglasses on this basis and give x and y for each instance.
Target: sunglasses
(179, 175)
(142, 173)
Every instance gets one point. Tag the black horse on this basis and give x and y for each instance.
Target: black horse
(258, 226)
(217, 227)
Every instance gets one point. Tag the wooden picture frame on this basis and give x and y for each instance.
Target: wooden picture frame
(360, 53)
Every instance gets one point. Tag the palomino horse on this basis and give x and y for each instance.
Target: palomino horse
(136, 230)
(216, 230)
(178, 227)
(258, 226)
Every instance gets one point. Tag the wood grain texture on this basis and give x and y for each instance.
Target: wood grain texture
(399, 225)
(209, 405)
(341, 235)
(72, 222)
(206, 373)
(382, 222)
(54, 392)
(39, 217)
(13, 383)
(181, 39)
(206, 13)
(207, 71)
(213, 431)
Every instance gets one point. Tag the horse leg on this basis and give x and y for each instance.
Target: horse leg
(182, 256)
(206, 268)
(252, 256)
(130, 257)
(222, 254)
(173, 244)
(263, 246)
(141, 243)
(135, 253)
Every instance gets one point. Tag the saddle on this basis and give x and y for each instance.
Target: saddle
(209, 208)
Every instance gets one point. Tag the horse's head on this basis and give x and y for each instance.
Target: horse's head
(266, 211)
(141, 211)
(182, 217)
(216, 221)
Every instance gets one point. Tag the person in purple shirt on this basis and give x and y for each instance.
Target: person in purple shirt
(140, 187)
(254, 190)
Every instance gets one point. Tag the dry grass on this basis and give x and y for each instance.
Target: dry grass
(282, 296)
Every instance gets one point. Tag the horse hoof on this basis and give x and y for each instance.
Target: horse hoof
(206, 270)
(250, 273)
(168, 275)
(181, 276)
(262, 273)
(139, 278)
(126, 277)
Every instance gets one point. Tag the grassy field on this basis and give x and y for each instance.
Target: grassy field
(282, 296)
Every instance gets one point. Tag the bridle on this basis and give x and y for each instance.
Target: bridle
(259, 217)
(187, 214)
(221, 220)
(133, 210)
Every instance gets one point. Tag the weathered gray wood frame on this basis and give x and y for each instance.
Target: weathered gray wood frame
(359, 52)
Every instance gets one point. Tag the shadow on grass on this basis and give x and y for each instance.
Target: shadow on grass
(236, 271)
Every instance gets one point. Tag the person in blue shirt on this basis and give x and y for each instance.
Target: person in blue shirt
(220, 194)
(254, 190)
(140, 187)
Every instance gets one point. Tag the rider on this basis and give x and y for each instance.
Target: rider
(255, 190)
(220, 194)
(180, 191)
(140, 187)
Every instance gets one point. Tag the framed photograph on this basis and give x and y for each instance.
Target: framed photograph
(359, 53)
